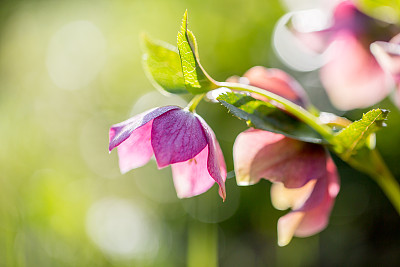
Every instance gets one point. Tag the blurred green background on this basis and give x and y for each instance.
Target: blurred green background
(70, 69)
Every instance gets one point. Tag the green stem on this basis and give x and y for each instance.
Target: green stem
(194, 102)
(202, 245)
(386, 180)
(372, 164)
(294, 109)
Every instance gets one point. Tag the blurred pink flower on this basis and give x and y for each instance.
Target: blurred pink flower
(178, 138)
(303, 174)
(352, 77)
(277, 82)
(388, 56)
(350, 74)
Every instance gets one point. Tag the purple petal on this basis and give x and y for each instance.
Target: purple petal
(136, 150)
(215, 163)
(191, 178)
(176, 136)
(121, 131)
(260, 154)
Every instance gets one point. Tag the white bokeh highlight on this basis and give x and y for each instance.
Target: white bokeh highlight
(292, 51)
(76, 54)
(122, 229)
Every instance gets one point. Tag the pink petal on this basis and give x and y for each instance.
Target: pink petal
(287, 226)
(191, 178)
(121, 131)
(313, 215)
(316, 219)
(136, 150)
(177, 136)
(353, 78)
(277, 82)
(397, 96)
(388, 56)
(215, 162)
(260, 154)
(283, 198)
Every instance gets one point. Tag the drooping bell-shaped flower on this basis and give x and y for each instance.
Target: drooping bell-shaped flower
(304, 176)
(304, 179)
(175, 137)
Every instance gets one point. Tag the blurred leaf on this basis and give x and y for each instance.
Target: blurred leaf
(265, 116)
(197, 81)
(162, 63)
(354, 136)
(386, 10)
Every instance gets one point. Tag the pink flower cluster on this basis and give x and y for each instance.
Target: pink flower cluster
(304, 176)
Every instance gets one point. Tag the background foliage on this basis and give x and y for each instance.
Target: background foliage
(70, 69)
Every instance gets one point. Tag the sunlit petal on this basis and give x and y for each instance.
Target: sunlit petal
(121, 131)
(260, 154)
(191, 177)
(215, 163)
(353, 78)
(136, 150)
(177, 136)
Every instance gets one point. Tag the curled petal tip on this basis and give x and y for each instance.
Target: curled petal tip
(222, 193)
(287, 226)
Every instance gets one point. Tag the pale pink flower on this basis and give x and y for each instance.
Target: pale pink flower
(352, 77)
(350, 74)
(303, 174)
(178, 138)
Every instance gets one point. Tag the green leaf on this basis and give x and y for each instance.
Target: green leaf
(162, 64)
(197, 81)
(357, 134)
(265, 116)
(385, 10)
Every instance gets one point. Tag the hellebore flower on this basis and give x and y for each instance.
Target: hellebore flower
(350, 74)
(277, 82)
(304, 176)
(178, 138)
(352, 77)
(388, 56)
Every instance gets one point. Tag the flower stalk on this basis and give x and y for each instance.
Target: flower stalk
(194, 102)
(373, 165)
(370, 163)
(202, 245)
(294, 109)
